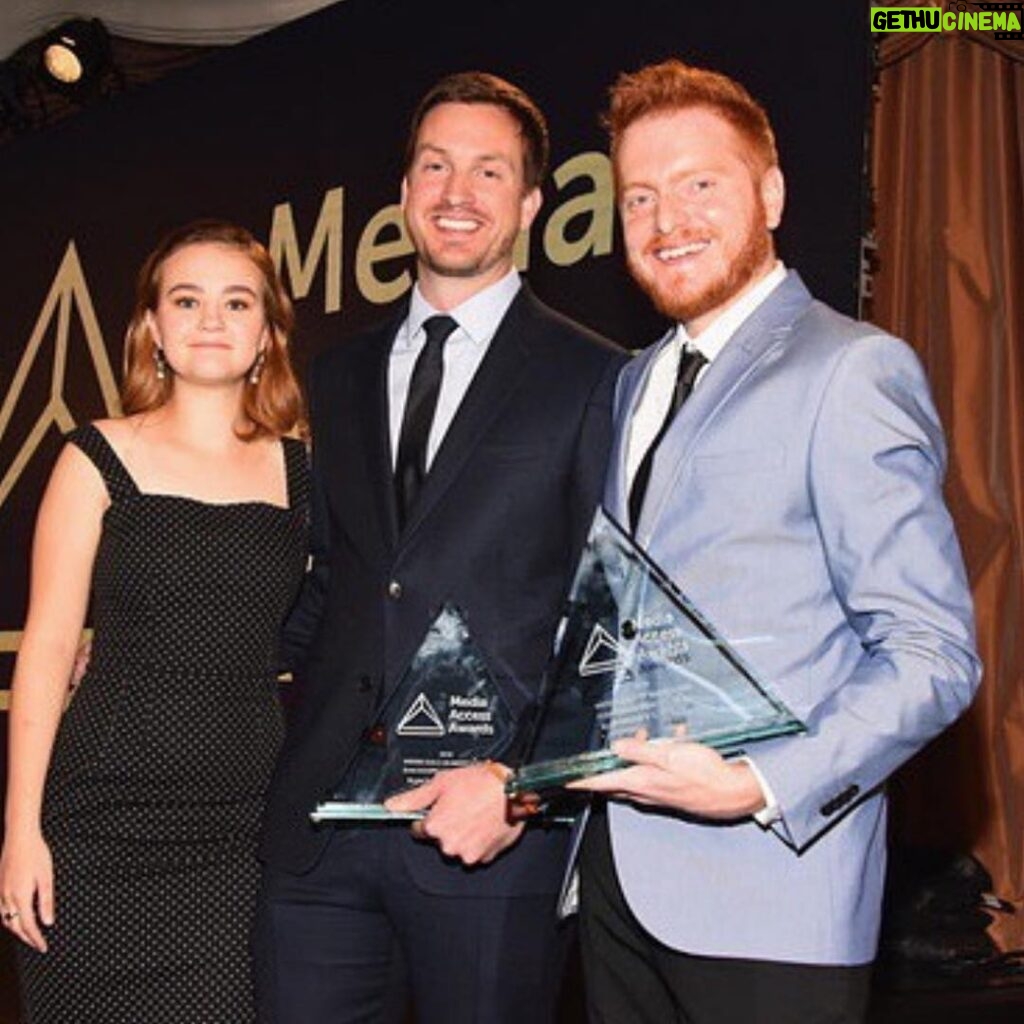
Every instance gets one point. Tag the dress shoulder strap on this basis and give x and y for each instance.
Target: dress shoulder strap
(296, 460)
(116, 477)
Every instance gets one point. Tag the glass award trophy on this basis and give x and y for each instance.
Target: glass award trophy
(634, 654)
(448, 710)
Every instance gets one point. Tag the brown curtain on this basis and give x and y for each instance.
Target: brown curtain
(948, 174)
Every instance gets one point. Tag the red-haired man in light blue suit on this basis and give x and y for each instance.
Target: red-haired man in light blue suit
(796, 496)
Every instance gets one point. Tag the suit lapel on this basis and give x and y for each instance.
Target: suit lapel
(758, 338)
(492, 385)
(631, 386)
(371, 397)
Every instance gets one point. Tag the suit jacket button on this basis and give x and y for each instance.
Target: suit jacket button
(365, 684)
(394, 590)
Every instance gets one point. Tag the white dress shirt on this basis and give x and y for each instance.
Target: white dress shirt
(661, 380)
(478, 319)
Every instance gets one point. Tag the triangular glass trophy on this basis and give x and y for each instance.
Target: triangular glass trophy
(633, 653)
(449, 709)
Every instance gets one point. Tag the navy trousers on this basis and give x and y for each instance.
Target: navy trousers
(355, 940)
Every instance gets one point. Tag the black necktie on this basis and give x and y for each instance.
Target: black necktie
(690, 363)
(424, 387)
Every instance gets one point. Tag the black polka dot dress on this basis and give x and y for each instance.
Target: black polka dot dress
(158, 773)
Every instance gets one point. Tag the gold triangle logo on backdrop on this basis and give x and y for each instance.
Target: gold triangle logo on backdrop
(68, 296)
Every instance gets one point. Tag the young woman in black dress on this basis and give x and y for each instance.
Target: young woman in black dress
(128, 870)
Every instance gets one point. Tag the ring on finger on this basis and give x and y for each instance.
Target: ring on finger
(9, 915)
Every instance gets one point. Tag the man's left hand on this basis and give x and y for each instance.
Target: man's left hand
(468, 814)
(682, 775)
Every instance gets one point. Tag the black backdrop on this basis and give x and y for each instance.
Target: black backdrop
(305, 127)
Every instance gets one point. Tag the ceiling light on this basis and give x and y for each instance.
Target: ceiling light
(76, 52)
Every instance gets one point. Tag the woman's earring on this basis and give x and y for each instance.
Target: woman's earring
(160, 362)
(257, 367)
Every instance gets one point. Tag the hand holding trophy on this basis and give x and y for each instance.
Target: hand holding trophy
(639, 658)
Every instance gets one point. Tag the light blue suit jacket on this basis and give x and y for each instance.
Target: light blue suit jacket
(797, 496)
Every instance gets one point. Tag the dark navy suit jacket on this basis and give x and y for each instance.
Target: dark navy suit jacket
(496, 531)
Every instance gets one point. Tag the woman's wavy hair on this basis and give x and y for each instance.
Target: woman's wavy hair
(273, 405)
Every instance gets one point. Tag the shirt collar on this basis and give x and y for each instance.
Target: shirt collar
(713, 338)
(478, 317)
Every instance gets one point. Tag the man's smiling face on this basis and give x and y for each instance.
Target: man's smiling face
(464, 195)
(696, 213)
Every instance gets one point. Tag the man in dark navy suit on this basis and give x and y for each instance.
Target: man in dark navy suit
(459, 452)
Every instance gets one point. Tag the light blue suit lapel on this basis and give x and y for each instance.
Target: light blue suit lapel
(631, 384)
(755, 344)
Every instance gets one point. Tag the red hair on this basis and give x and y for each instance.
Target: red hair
(673, 85)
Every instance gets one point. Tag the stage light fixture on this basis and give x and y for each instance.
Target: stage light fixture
(76, 52)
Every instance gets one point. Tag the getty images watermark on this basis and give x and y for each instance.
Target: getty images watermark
(1003, 20)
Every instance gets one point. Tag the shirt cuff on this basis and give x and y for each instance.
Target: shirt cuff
(771, 812)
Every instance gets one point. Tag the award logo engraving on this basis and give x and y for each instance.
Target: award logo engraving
(602, 653)
(420, 719)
